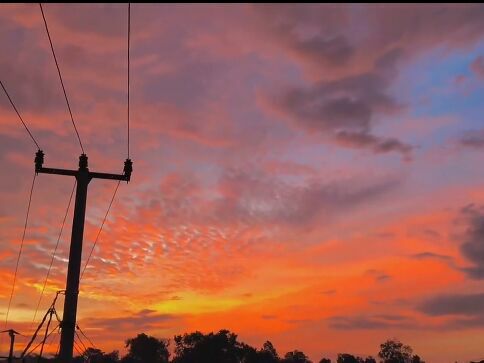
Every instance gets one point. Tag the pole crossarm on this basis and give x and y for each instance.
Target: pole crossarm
(95, 175)
(57, 171)
(39, 168)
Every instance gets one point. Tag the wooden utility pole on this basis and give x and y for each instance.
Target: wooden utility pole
(11, 333)
(83, 177)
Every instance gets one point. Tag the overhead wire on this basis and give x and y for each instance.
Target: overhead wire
(80, 341)
(60, 77)
(76, 347)
(42, 341)
(129, 42)
(85, 336)
(19, 116)
(100, 230)
(46, 333)
(54, 252)
(82, 148)
(20, 251)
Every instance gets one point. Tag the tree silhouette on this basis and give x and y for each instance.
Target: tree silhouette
(417, 359)
(347, 358)
(93, 355)
(394, 351)
(295, 356)
(267, 354)
(146, 349)
(222, 347)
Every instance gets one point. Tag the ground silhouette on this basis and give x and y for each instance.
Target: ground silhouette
(223, 347)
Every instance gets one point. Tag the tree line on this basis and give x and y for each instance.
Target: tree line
(223, 347)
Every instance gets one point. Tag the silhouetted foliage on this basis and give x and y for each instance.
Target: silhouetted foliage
(223, 347)
(146, 349)
(394, 351)
(346, 358)
(417, 359)
(211, 348)
(296, 357)
(93, 355)
(267, 354)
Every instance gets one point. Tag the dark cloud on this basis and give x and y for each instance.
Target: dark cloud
(374, 143)
(473, 246)
(260, 198)
(326, 45)
(347, 104)
(345, 109)
(269, 317)
(457, 304)
(431, 255)
(371, 322)
(477, 66)
(379, 276)
(466, 323)
(473, 139)
(331, 50)
(147, 319)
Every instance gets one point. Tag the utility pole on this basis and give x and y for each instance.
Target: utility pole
(83, 177)
(11, 333)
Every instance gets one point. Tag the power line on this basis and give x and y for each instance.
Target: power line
(51, 311)
(100, 229)
(20, 117)
(54, 252)
(20, 251)
(60, 77)
(129, 37)
(43, 341)
(81, 342)
(85, 336)
(78, 350)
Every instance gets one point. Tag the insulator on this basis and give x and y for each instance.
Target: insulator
(39, 160)
(128, 169)
(83, 161)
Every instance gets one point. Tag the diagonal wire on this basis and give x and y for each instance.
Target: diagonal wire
(80, 341)
(60, 77)
(85, 336)
(100, 229)
(20, 251)
(40, 343)
(58, 348)
(55, 250)
(20, 117)
(78, 350)
(129, 38)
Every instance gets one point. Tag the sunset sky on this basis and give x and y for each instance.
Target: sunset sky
(312, 175)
